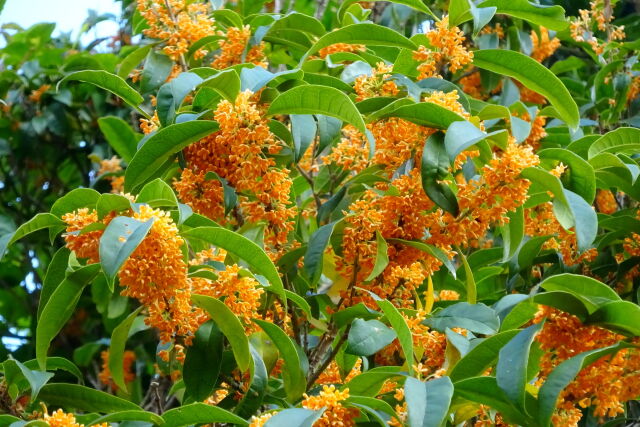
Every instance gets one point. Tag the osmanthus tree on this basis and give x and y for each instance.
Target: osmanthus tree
(364, 213)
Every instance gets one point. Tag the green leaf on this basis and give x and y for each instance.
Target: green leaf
(620, 141)
(294, 378)
(382, 258)
(55, 363)
(513, 233)
(315, 251)
(592, 292)
(366, 33)
(60, 307)
(399, 325)
(110, 82)
(131, 415)
(56, 272)
(75, 199)
(511, 371)
(485, 390)
(534, 76)
(84, 398)
(38, 222)
(294, 417)
(470, 282)
(303, 130)
(121, 237)
(426, 114)
(226, 83)
(563, 301)
(171, 95)
(315, 99)
(570, 209)
(116, 350)
(460, 136)
(435, 166)
(120, 136)
(481, 357)
(200, 413)
(36, 379)
(414, 4)
(477, 318)
(133, 59)
(157, 193)
(202, 362)
(108, 203)
(551, 17)
(161, 146)
(581, 176)
(366, 337)
(240, 246)
(300, 22)
(428, 402)
(434, 251)
(563, 374)
(253, 399)
(618, 316)
(230, 326)
(229, 194)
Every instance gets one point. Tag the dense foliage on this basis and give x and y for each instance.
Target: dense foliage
(327, 213)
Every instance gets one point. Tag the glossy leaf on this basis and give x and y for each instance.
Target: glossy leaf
(365, 33)
(315, 99)
(533, 75)
(511, 371)
(110, 82)
(230, 326)
(120, 136)
(161, 146)
(427, 402)
(477, 318)
(60, 307)
(399, 325)
(244, 248)
(366, 337)
(116, 350)
(84, 398)
(382, 258)
(200, 413)
(121, 237)
(293, 374)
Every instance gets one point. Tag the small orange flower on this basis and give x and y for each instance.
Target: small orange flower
(127, 362)
(341, 47)
(36, 95)
(606, 202)
(335, 414)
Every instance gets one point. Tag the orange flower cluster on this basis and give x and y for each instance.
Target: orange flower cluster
(150, 125)
(234, 46)
(128, 360)
(634, 89)
(377, 84)
(543, 47)
(541, 221)
(331, 375)
(260, 420)
(61, 419)
(335, 414)
(484, 418)
(599, 16)
(179, 23)
(605, 384)
(113, 166)
(496, 29)
(341, 47)
(430, 347)
(240, 294)
(606, 202)
(236, 153)
(450, 50)
(36, 95)
(351, 153)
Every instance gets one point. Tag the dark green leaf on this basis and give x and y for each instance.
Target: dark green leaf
(367, 337)
(161, 146)
(84, 398)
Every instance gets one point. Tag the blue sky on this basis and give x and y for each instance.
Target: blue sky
(67, 14)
